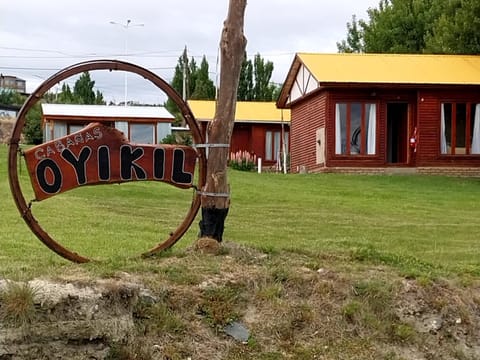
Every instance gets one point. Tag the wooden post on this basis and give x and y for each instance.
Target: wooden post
(215, 195)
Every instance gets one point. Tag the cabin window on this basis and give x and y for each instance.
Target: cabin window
(355, 128)
(273, 144)
(60, 129)
(142, 133)
(460, 129)
(74, 128)
(77, 127)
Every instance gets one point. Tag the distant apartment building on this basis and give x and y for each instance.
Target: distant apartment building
(13, 83)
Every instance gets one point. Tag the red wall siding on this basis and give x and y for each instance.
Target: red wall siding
(319, 110)
(258, 141)
(429, 113)
(251, 138)
(241, 138)
(365, 95)
(306, 117)
(428, 146)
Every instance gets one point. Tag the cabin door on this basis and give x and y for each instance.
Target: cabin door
(397, 133)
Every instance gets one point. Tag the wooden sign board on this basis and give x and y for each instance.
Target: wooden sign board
(99, 154)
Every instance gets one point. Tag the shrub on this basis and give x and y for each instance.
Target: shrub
(17, 304)
(169, 139)
(242, 160)
(178, 139)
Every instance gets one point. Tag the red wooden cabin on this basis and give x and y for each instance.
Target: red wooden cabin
(384, 113)
(258, 128)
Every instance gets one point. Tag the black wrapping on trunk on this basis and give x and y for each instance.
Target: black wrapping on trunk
(213, 223)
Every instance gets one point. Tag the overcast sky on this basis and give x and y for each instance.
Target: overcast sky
(38, 38)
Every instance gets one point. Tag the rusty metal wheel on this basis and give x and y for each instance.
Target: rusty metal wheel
(14, 150)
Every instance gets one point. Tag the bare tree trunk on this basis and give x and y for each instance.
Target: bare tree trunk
(215, 196)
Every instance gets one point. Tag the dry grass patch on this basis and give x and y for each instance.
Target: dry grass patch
(295, 306)
(6, 128)
(17, 304)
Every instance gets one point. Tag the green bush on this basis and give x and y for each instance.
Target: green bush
(178, 139)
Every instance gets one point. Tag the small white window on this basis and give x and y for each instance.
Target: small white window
(142, 133)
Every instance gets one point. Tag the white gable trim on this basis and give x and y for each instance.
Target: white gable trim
(304, 83)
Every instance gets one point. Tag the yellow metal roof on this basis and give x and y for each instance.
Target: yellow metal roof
(393, 68)
(246, 111)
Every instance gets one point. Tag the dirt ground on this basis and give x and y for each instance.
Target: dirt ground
(292, 306)
(6, 128)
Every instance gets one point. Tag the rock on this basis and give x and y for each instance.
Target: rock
(434, 324)
(238, 331)
(145, 297)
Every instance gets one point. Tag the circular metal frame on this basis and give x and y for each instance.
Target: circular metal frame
(14, 150)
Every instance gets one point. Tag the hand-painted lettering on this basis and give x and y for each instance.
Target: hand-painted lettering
(50, 151)
(79, 164)
(39, 154)
(103, 163)
(78, 138)
(97, 133)
(70, 142)
(88, 137)
(44, 167)
(159, 164)
(99, 154)
(128, 165)
(59, 146)
(178, 174)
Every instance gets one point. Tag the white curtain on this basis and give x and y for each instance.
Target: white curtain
(338, 131)
(268, 146)
(276, 145)
(443, 138)
(371, 131)
(476, 131)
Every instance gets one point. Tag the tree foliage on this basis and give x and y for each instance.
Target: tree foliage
(354, 41)
(245, 85)
(83, 93)
(11, 97)
(416, 26)
(254, 83)
(457, 28)
(66, 95)
(204, 87)
(198, 85)
(83, 90)
(33, 128)
(33, 125)
(99, 100)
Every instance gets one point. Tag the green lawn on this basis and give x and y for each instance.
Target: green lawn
(416, 223)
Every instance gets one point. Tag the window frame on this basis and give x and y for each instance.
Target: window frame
(469, 125)
(72, 128)
(274, 143)
(348, 128)
(154, 131)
